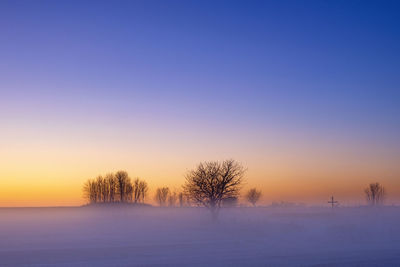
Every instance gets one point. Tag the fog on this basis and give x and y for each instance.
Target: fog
(137, 236)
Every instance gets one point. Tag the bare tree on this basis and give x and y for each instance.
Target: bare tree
(140, 189)
(183, 199)
(105, 190)
(123, 182)
(112, 186)
(136, 190)
(172, 198)
(144, 188)
(162, 196)
(253, 195)
(375, 194)
(211, 182)
(90, 191)
(100, 188)
(128, 192)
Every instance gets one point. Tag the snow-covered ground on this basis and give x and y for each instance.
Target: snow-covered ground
(187, 237)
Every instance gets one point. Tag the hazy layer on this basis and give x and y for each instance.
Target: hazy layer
(162, 236)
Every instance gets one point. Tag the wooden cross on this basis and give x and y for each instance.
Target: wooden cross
(332, 202)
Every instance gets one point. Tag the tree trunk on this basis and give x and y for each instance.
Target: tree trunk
(214, 211)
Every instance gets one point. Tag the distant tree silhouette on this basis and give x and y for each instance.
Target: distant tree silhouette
(211, 182)
(112, 188)
(375, 194)
(123, 182)
(144, 188)
(140, 189)
(172, 198)
(253, 195)
(111, 183)
(105, 190)
(183, 199)
(90, 191)
(136, 190)
(128, 192)
(100, 189)
(161, 196)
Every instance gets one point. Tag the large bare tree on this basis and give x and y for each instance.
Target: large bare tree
(253, 195)
(212, 182)
(375, 194)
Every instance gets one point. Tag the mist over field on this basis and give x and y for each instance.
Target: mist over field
(151, 236)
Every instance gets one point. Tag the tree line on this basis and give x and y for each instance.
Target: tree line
(116, 187)
(211, 184)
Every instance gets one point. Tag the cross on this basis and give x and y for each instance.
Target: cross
(332, 202)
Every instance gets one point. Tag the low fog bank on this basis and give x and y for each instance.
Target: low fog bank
(126, 236)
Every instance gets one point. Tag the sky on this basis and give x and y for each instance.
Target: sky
(305, 94)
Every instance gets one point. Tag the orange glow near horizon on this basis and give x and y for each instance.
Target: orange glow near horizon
(49, 175)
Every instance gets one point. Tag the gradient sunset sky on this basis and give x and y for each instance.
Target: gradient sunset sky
(305, 94)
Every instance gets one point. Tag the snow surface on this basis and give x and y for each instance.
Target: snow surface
(149, 236)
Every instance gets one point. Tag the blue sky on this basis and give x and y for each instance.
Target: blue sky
(292, 57)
